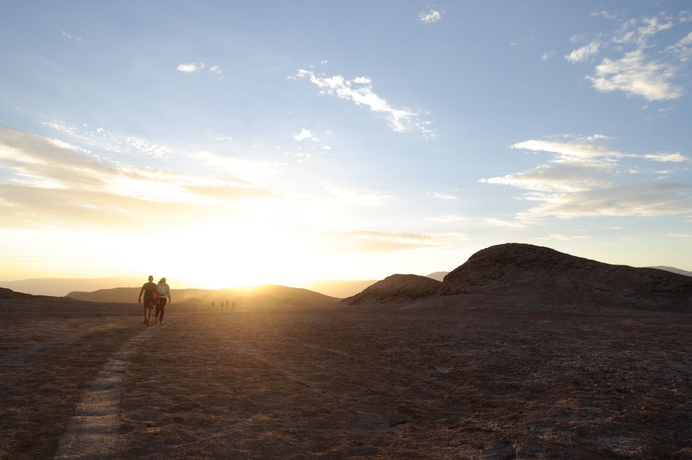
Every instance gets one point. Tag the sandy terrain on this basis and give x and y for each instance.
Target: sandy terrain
(90, 381)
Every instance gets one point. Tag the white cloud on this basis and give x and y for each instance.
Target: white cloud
(443, 196)
(357, 196)
(429, 17)
(582, 150)
(68, 146)
(605, 14)
(70, 36)
(191, 67)
(247, 170)
(504, 223)
(666, 157)
(359, 90)
(583, 179)
(554, 179)
(49, 183)
(547, 55)
(583, 53)
(625, 200)
(682, 50)
(558, 236)
(446, 219)
(214, 69)
(636, 76)
(114, 142)
(636, 70)
(371, 241)
(305, 134)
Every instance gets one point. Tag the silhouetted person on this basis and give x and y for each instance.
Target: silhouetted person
(164, 292)
(150, 294)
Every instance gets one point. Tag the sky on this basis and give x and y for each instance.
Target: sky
(227, 143)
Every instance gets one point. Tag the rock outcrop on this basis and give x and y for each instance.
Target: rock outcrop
(396, 289)
(542, 273)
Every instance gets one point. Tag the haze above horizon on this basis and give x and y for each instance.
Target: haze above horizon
(274, 142)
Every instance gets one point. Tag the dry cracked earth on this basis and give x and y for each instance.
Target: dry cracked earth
(91, 381)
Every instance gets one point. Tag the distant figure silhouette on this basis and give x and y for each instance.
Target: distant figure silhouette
(164, 291)
(150, 296)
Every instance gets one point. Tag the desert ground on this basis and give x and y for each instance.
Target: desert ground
(444, 380)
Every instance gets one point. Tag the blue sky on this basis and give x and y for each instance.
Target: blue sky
(284, 141)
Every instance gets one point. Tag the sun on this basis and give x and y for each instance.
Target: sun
(241, 254)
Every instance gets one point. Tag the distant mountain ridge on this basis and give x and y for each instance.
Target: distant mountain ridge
(673, 270)
(264, 295)
(61, 286)
(439, 276)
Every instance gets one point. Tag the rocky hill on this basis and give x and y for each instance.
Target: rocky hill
(396, 289)
(525, 270)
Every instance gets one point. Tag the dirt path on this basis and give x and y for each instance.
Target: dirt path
(48, 356)
(93, 430)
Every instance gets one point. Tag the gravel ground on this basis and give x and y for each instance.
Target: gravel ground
(462, 382)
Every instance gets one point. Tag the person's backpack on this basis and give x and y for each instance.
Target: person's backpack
(151, 294)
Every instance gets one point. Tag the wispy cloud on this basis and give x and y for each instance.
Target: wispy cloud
(112, 141)
(583, 53)
(305, 134)
(504, 223)
(70, 36)
(561, 237)
(645, 200)
(682, 50)
(249, 170)
(666, 157)
(604, 14)
(192, 67)
(585, 178)
(372, 241)
(358, 196)
(359, 90)
(50, 184)
(636, 75)
(446, 219)
(429, 17)
(547, 55)
(442, 196)
(214, 69)
(639, 69)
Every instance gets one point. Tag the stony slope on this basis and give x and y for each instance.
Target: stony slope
(396, 289)
(524, 270)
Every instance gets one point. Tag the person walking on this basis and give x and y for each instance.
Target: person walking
(164, 292)
(150, 295)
